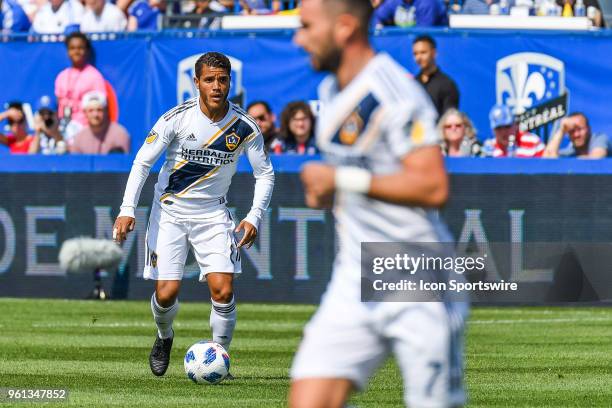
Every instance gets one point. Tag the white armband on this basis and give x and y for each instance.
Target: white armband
(353, 179)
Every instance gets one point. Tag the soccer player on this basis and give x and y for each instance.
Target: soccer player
(384, 171)
(203, 138)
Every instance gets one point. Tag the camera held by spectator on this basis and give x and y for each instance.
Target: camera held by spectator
(48, 138)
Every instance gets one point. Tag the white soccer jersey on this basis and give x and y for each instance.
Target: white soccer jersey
(373, 123)
(201, 158)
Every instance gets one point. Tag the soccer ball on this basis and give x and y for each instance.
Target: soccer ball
(207, 362)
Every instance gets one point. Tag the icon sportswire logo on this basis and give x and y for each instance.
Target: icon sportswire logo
(185, 88)
(528, 79)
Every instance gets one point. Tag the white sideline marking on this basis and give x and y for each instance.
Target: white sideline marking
(197, 326)
(517, 321)
(152, 324)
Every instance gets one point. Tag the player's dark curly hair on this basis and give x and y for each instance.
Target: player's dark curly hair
(289, 112)
(213, 59)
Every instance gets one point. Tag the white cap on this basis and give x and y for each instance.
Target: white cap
(93, 99)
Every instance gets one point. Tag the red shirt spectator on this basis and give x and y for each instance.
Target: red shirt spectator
(19, 145)
(509, 141)
(18, 141)
(526, 145)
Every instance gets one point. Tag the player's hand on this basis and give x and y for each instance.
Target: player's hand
(319, 184)
(250, 233)
(122, 226)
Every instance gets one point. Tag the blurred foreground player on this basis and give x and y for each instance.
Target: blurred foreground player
(384, 170)
(203, 139)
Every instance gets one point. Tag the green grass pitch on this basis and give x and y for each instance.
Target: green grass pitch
(537, 357)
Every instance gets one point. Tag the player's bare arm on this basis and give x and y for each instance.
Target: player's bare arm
(422, 181)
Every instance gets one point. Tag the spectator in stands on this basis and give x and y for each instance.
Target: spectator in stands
(265, 118)
(74, 82)
(48, 138)
(101, 136)
(58, 17)
(209, 14)
(509, 141)
(17, 139)
(146, 14)
(583, 143)
(477, 6)
(12, 17)
(458, 135)
(31, 7)
(101, 16)
(254, 7)
(406, 13)
(598, 20)
(440, 87)
(297, 128)
(207, 7)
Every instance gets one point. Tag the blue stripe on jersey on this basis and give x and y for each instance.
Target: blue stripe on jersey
(186, 176)
(356, 122)
(232, 137)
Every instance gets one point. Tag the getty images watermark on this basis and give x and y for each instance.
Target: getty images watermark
(491, 272)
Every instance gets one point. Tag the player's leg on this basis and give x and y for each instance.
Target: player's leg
(164, 305)
(215, 250)
(319, 393)
(339, 352)
(427, 343)
(223, 310)
(166, 252)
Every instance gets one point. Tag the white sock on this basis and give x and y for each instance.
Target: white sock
(164, 316)
(223, 322)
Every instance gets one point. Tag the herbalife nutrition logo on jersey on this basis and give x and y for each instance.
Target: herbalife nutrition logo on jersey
(185, 88)
(533, 85)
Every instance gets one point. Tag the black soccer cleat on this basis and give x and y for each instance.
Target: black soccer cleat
(159, 359)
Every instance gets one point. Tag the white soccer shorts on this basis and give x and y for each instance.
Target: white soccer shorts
(169, 238)
(349, 340)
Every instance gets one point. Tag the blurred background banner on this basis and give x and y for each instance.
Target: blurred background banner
(292, 259)
(152, 73)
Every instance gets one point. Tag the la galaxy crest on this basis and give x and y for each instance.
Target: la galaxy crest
(231, 141)
(351, 128)
(151, 137)
(153, 259)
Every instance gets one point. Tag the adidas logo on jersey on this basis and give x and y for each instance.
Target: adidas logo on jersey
(191, 137)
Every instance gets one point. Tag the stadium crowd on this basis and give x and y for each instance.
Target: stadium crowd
(82, 115)
(64, 16)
